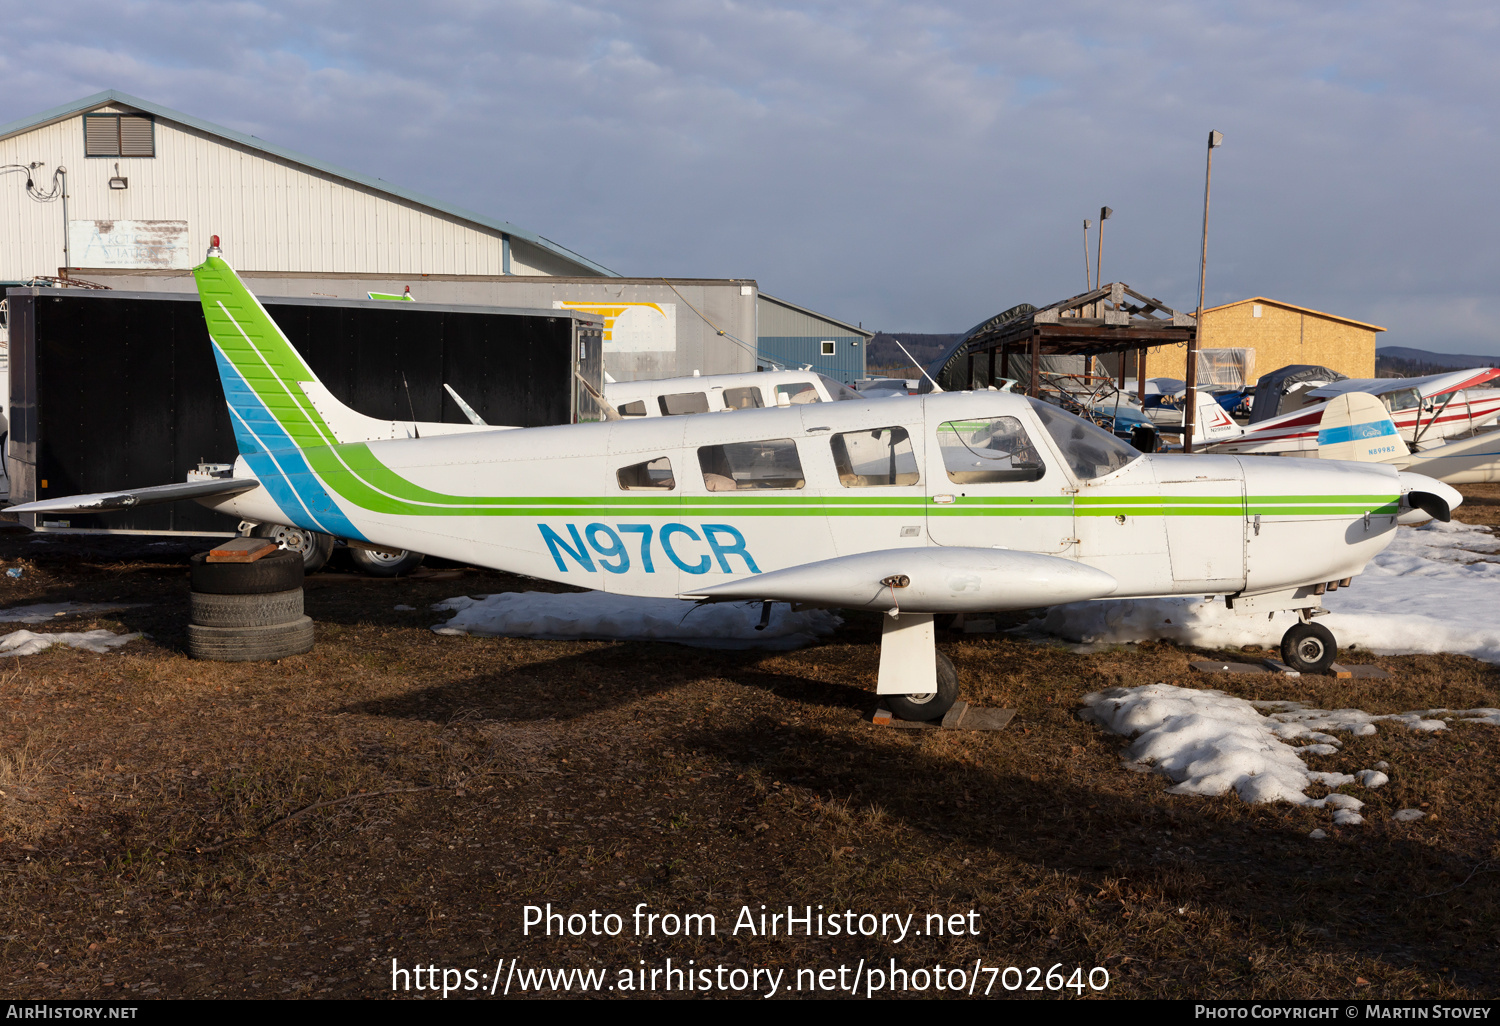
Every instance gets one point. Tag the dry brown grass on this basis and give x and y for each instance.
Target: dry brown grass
(148, 846)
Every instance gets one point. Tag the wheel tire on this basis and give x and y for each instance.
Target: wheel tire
(385, 564)
(280, 571)
(313, 546)
(931, 706)
(245, 644)
(265, 610)
(1309, 648)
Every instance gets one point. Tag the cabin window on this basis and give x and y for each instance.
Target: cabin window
(1402, 399)
(1090, 450)
(988, 451)
(797, 393)
(747, 398)
(634, 409)
(651, 474)
(119, 135)
(745, 466)
(880, 457)
(682, 403)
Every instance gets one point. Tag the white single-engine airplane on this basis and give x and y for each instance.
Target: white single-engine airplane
(943, 503)
(1426, 411)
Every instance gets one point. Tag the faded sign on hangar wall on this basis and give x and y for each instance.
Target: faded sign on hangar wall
(631, 327)
(119, 243)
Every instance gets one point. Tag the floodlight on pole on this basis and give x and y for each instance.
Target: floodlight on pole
(1190, 400)
(1105, 213)
(1088, 284)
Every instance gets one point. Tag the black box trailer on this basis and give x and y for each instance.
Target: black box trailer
(119, 389)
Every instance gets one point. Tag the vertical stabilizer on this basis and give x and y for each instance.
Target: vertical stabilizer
(1357, 426)
(263, 376)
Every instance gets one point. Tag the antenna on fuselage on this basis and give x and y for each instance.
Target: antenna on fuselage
(935, 386)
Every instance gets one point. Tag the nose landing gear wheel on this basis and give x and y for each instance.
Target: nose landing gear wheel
(932, 705)
(1309, 648)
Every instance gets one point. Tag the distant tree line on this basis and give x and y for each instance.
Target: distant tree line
(884, 359)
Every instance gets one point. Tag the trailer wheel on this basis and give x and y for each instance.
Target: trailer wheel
(278, 572)
(246, 644)
(933, 705)
(1309, 647)
(313, 546)
(384, 562)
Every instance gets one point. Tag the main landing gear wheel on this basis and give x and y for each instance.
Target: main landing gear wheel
(1309, 648)
(384, 562)
(313, 546)
(933, 705)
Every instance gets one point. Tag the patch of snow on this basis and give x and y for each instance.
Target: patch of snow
(595, 615)
(1431, 590)
(406, 609)
(1207, 743)
(44, 612)
(25, 643)
(1408, 815)
(1318, 835)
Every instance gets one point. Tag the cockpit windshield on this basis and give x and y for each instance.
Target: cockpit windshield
(1090, 450)
(837, 391)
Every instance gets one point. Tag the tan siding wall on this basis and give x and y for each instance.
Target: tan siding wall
(1281, 337)
(272, 215)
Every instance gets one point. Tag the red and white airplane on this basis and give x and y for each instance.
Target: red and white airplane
(1427, 411)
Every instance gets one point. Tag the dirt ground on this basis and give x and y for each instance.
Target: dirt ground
(174, 828)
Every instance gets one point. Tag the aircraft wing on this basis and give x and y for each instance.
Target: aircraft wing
(105, 502)
(924, 580)
(1467, 461)
(1427, 387)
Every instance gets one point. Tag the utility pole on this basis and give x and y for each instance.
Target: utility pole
(1190, 414)
(1104, 215)
(1088, 284)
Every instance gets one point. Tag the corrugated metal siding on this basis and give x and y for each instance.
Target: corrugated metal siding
(271, 215)
(847, 363)
(794, 337)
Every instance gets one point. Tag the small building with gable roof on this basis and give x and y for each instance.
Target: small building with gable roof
(1283, 334)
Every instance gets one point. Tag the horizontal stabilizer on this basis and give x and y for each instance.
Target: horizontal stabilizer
(926, 580)
(105, 502)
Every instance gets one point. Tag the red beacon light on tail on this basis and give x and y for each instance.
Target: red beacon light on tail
(213, 246)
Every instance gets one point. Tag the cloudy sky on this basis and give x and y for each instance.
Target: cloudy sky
(913, 166)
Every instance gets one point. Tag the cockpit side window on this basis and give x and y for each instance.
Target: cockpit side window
(798, 392)
(1090, 450)
(653, 474)
(633, 409)
(743, 466)
(837, 390)
(869, 458)
(989, 451)
(1401, 399)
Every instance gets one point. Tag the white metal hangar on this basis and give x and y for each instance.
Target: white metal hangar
(114, 181)
(125, 192)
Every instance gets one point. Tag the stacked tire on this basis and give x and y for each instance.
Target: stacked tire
(240, 612)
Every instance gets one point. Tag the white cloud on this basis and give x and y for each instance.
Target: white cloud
(914, 166)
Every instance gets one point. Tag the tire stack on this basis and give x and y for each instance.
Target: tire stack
(240, 612)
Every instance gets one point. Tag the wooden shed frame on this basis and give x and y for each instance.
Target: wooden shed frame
(1111, 319)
